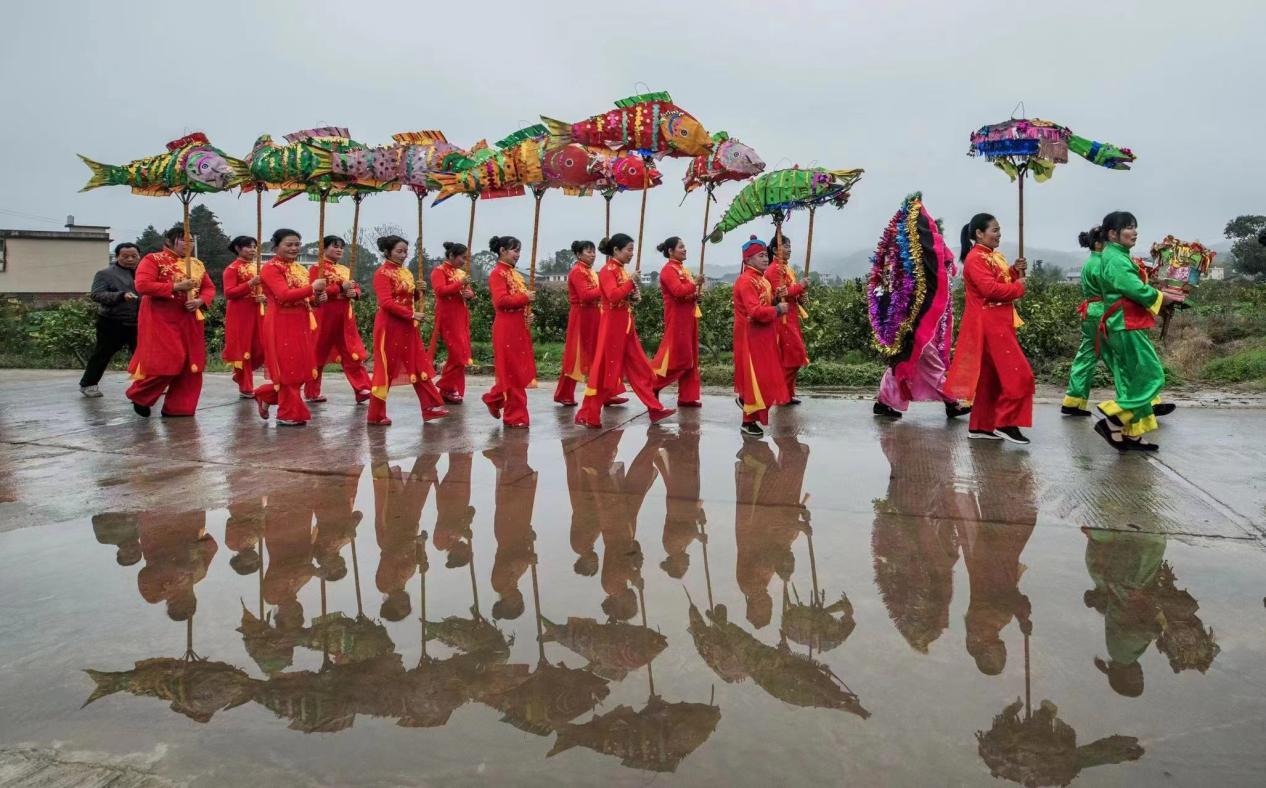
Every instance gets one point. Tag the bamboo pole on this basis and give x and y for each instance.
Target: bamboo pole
(1024, 171)
(259, 240)
(607, 196)
(537, 193)
(641, 221)
(707, 206)
(808, 244)
(356, 200)
(470, 230)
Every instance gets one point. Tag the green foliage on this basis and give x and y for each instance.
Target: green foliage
(67, 331)
(1247, 253)
(150, 240)
(1246, 365)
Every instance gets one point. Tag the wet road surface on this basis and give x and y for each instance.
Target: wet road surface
(845, 602)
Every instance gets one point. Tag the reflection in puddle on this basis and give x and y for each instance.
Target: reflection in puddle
(319, 669)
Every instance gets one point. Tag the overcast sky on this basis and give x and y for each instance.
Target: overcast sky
(892, 87)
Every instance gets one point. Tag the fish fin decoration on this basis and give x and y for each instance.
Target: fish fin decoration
(482, 155)
(1007, 167)
(577, 191)
(1102, 153)
(240, 169)
(526, 133)
(106, 684)
(100, 173)
(721, 136)
(565, 741)
(478, 146)
(196, 138)
(324, 132)
(1042, 169)
(286, 196)
(508, 191)
(609, 672)
(447, 185)
(547, 624)
(153, 191)
(535, 728)
(323, 162)
(559, 132)
(419, 137)
(643, 98)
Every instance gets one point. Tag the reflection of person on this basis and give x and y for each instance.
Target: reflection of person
(114, 290)
(586, 525)
(398, 504)
(512, 522)
(453, 512)
(288, 540)
(334, 504)
(678, 464)
(171, 350)
(989, 368)
(177, 551)
(620, 495)
(338, 338)
(914, 540)
(768, 516)
(992, 542)
(119, 529)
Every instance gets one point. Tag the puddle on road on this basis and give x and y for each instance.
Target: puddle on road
(929, 614)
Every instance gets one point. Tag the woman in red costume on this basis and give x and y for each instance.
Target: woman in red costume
(677, 360)
(399, 355)
(791, 350)
(759, 381)
(452, 320)
(243, 316)
(290, 331)
(989, 368)
(171, 348)
(514, 361)
(619, 353)
(585, 295)
(338, 338)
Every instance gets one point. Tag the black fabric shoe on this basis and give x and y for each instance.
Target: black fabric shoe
(1164, 409)
(141, 410)
(752, 430)
(1069, 410)
(881, 409)
(984, 435)
(793, 401)
(953, 410)
(1013, 435)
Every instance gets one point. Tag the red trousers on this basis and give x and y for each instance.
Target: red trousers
(791, 373)
(452, 378)
(428, 397)
(1004, 391)
(245, 378)
(290, 406)
(637, 371)
(182, 392)
(354, 371)
(760, 415)
(565, 391)
(513, 404)
(689, 388)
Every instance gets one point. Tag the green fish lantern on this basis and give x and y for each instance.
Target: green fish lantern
(781, 191)
(191, 164)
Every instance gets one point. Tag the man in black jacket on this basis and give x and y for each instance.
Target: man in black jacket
(114, 290)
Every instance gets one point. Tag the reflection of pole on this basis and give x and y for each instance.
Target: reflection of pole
(536, 600)
(360, 611)
(474, 586)
(808, 244)
(1028, 695)
(424, 564)
(707, 206)
(261, 583)
(189, 638)
(641, 222)
(707, 572)
(470, 229)
(641, 594)
(813, 562)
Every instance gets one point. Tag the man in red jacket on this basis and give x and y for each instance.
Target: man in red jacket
(171, 347)
(759, 381)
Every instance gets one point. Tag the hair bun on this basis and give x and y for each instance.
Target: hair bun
(751, 238)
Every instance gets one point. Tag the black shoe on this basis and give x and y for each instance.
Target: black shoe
(793, 401)
(984, 435)
(1164, 409)
(739, 401)
(881, 409)
(1069, 410)
(1013, 435)
(141, 410)
(752, 430)
(953, 410)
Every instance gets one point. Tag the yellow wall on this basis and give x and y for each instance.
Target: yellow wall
(42, 265)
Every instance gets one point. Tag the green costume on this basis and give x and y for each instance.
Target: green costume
(1082, 373)
(1129, 309)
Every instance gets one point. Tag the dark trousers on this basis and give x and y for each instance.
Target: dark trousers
(112, 336)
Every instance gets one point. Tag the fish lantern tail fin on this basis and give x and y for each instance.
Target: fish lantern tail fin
(1104, 154)
(100, 174)
(106, 684)
(559, 132)
(565, 741)
(447, 184)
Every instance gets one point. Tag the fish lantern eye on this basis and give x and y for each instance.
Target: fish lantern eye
(681, 133)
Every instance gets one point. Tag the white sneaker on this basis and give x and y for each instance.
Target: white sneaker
(984, 435)
(91, 392)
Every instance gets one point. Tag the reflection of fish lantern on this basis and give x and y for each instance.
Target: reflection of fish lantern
(729, 160)
(649, 123)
